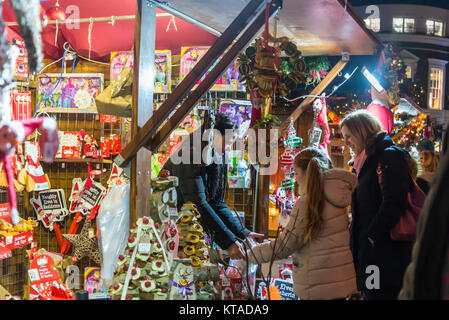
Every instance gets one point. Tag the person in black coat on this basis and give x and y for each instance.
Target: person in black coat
(203, 182)
(380, 262)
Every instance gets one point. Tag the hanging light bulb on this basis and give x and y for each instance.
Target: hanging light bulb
(56, 13)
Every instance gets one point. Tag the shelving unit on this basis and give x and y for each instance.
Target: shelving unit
(88, 160)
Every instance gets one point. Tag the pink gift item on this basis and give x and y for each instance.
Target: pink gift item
(15, 132)
(383, 114)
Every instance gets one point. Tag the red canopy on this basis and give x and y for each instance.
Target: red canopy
(171, 33)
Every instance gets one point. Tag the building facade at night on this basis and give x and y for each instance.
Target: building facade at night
(421, 33)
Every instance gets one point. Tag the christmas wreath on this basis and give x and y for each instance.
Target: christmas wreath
(262, 68)
(393, 70)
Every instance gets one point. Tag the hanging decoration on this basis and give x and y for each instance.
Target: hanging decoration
(56, 13)
(285, 196)
(393, 70)
(322, 121)
(317, 69)
(263, 72)
(315, 131)
(85, 244)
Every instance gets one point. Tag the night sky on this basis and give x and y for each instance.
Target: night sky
(434, 3)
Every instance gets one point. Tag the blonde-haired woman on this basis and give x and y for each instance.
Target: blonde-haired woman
(317, 233)
(429, 162)
(380, 262)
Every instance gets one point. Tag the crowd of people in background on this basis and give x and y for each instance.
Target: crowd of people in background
(334, 256)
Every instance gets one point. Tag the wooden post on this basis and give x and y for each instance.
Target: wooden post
(144, 50)
(315, 92)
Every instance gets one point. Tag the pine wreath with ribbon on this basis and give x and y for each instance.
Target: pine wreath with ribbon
(261, 67)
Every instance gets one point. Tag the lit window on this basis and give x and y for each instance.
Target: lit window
(408, 72)
(436, 88)
(404, 25)
(398, 24)
(373, 24)
(435, 28)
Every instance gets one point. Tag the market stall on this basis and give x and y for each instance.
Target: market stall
(101, 210)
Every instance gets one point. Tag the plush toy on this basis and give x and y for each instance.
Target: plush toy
(90, 148)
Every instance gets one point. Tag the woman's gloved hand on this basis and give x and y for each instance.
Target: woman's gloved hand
(235, 251)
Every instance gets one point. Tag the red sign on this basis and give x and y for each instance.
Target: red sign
(45, 282)
(5, 212)
(42, 273)
(20, 240)
(21, 104)
(106, 118)
(5, 253)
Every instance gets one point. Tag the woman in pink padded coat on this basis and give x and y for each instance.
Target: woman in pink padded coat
(317, 233)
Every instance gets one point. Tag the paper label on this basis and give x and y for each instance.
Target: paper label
(144, 248)
(91, 233)
(34, 275)
(172, 212)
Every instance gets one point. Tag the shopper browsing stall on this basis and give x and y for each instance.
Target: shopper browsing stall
(317, 233)
(429, 162)
(204, 183)
(376, 208)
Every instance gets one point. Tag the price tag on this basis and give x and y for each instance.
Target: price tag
(172, 212)
(34, 275)
(144, 248)
(91, 233)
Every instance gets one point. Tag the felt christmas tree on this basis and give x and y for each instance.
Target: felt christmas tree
(143, 269)
(192, 243)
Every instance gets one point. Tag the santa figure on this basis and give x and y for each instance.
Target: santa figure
(13, 133)
(380, 108)
(381, 102)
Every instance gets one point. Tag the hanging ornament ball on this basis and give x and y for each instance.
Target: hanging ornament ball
(74, 259)
(56, 13)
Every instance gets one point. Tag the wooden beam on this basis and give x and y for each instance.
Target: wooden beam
(315, 92)
(357, 18)
(143, 88)
(223, 42)
(211, 78)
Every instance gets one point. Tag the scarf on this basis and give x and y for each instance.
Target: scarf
(359, 160)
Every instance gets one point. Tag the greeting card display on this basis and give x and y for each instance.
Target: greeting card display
(89, 196)
(162, 64)
(21, 104)
(45, 282)
(69, 146)
(21, 69)
(227, 82)
(75, 91)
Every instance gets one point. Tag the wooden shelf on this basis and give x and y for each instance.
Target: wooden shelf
(68, 110)
(89, 160)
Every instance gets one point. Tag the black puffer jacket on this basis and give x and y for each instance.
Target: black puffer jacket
(376, 212)
(423, 279)
(216, 217)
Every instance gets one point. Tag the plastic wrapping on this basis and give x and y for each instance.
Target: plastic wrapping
(113, 226)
